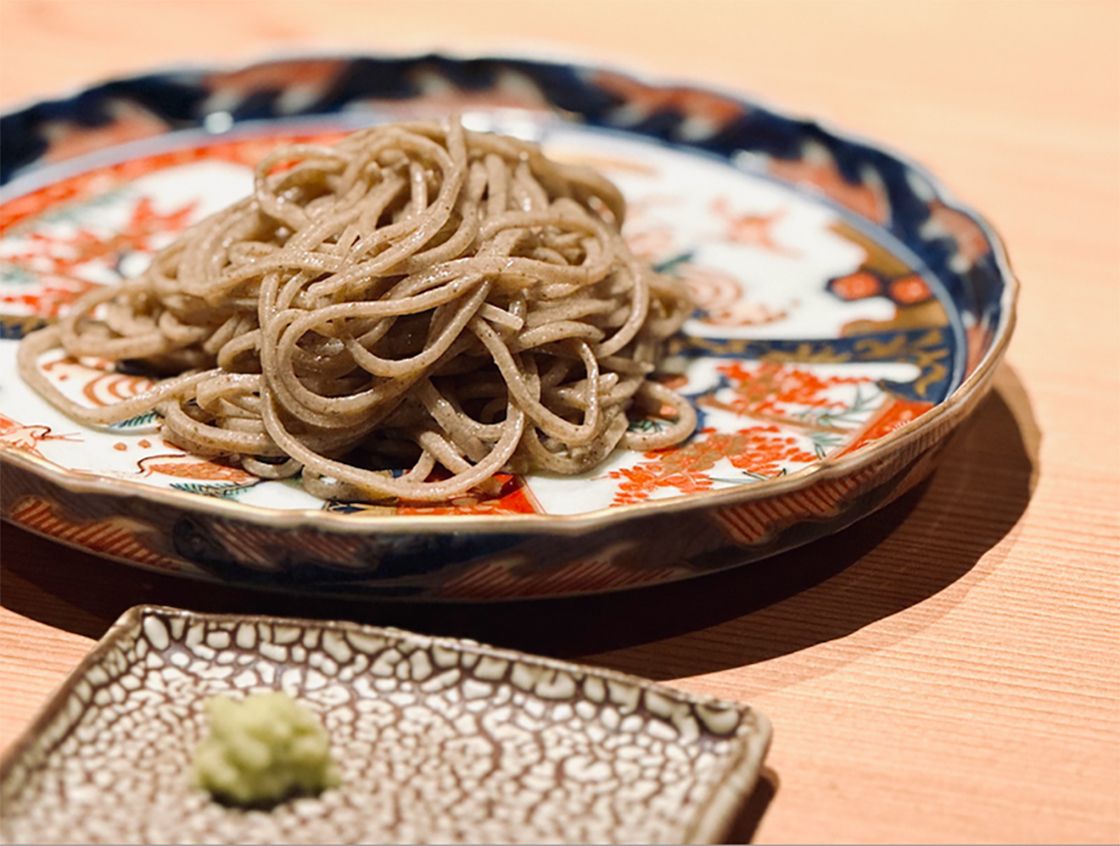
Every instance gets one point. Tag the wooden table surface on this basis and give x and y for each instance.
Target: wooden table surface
(946, 671)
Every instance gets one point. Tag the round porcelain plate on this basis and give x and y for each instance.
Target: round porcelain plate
(848, 316)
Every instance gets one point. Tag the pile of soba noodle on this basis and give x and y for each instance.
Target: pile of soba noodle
(401, 315)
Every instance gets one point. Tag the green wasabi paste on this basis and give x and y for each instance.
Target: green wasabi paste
(262, 750)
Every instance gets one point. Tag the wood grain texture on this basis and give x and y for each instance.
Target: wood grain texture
(946, 671)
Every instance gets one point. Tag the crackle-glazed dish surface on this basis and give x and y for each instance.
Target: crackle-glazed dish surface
(435, 740)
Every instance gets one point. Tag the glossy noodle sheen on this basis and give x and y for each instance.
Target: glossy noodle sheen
(401, 315)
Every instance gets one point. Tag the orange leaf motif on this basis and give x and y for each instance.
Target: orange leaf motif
(757, 450)
(764, 388)
(192, 467)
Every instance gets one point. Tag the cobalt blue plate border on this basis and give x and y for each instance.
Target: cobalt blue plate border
(180, 99)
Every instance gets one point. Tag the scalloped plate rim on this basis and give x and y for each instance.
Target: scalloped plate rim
(956, 406)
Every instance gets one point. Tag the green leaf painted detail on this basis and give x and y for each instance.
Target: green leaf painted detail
(210, 489)
(144, 419)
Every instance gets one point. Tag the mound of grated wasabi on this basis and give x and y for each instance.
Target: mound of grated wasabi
(263, 750)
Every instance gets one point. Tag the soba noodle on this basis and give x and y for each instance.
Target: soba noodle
(401, 315)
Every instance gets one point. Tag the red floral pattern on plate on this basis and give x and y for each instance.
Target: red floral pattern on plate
(712, 110)
(183, 466)
(755, 230)
(721, 298)
(857, 286)
(27, 438)
(759, 451)
(56, 261)
(818, 169)
(910, 290)
(769, 389)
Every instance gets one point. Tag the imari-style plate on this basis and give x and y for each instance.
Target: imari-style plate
(436, 741)
(849, 315)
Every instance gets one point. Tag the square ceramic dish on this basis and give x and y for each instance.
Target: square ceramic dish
(437, 740)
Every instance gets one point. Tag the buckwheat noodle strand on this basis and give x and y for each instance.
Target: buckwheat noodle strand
(402, 315)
